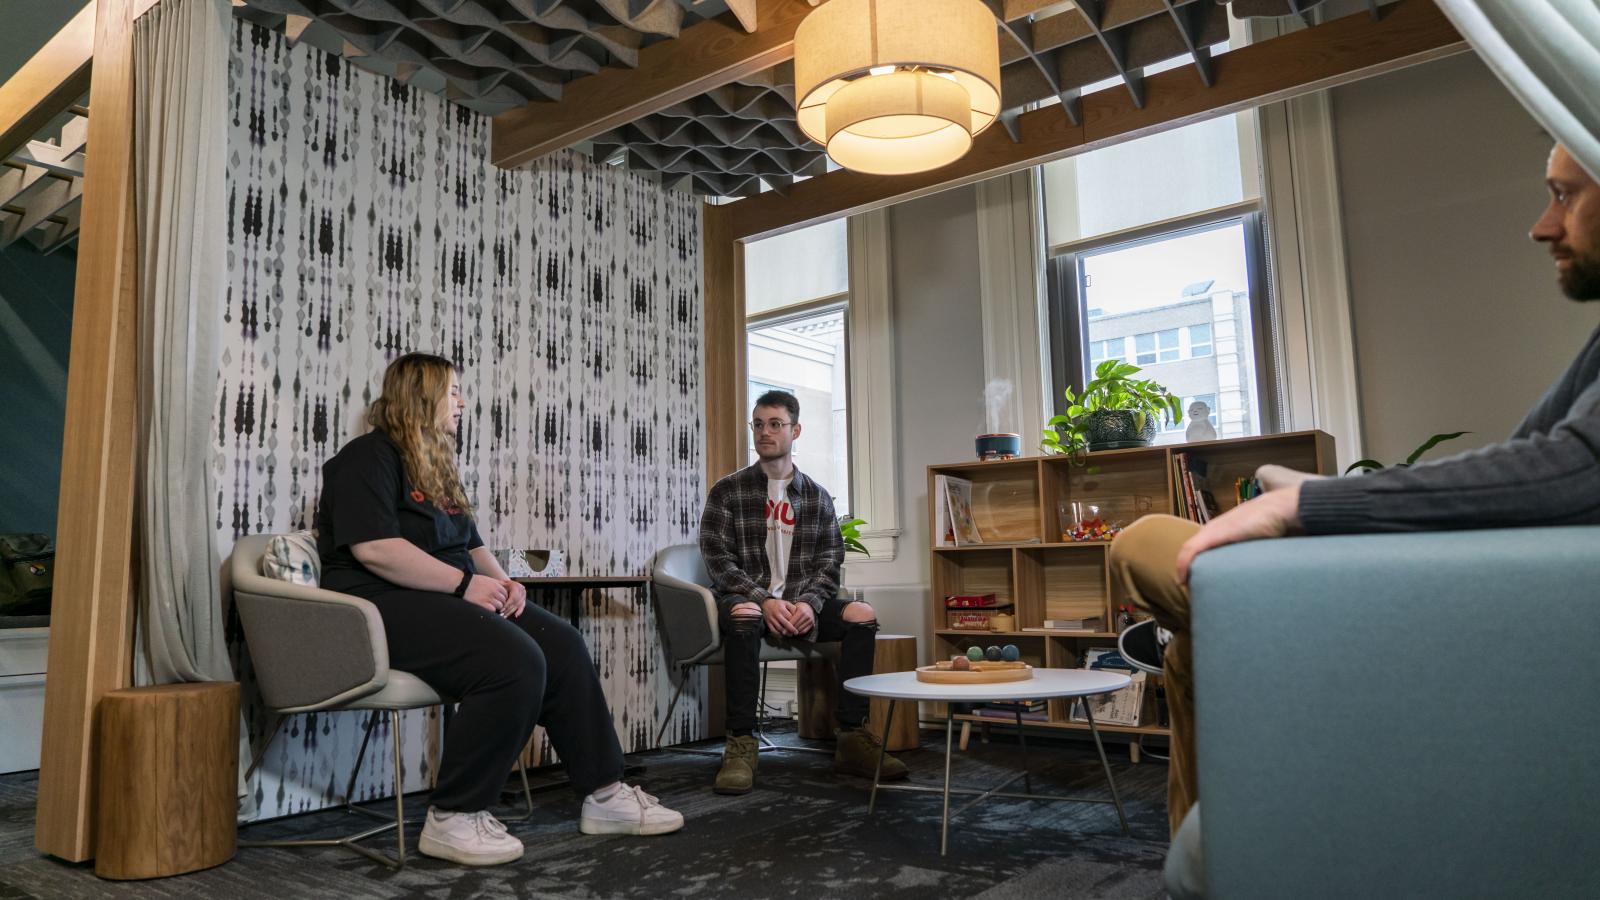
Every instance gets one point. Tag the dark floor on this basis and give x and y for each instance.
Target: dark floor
(801, 833)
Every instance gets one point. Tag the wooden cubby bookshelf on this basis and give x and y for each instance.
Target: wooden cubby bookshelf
(1023, 559)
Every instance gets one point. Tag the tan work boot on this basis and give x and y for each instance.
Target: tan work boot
(738, 772)
(857, 754)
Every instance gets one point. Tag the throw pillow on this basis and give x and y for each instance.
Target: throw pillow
(293, 558)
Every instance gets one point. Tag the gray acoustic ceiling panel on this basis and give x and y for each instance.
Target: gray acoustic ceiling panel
(741, 138)
(488, 55)
(41, 185)
(725, 142)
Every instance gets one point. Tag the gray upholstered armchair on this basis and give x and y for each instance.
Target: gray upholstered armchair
(686, 614)
(314, 651)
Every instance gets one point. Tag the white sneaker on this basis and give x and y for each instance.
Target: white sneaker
(628, 811)
(471, 839)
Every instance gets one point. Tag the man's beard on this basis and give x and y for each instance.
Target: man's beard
(1581, 280)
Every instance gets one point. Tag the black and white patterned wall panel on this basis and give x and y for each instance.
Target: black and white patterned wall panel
(366, 221)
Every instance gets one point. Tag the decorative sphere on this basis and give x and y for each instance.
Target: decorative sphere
(992, 654)
(961, 664)
(1010, 653)
(975, 653)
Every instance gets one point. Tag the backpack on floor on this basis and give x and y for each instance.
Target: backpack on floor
(27, 564)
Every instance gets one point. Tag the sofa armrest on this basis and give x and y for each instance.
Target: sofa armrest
(1400, 715)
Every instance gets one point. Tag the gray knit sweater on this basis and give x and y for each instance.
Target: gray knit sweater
(1547, 473)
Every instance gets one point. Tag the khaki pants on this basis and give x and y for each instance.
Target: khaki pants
(1144, 560)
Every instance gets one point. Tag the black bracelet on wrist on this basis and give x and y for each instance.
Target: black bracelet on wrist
(461, 589)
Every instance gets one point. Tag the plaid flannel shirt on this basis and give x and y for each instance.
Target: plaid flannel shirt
(733, 541)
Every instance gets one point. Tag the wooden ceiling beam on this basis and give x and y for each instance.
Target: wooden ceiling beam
(1337, 52)
(49, 82)
(704, 56)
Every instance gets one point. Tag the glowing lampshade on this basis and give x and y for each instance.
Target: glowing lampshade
(897, 86)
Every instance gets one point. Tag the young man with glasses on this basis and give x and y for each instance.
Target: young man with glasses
(772, 547)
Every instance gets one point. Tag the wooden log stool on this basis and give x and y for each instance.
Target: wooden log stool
(818, 687)
(168, 770)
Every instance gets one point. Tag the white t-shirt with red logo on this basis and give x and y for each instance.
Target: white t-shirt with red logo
(780, 532)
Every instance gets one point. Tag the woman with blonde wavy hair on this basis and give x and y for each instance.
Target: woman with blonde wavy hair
(395, 526)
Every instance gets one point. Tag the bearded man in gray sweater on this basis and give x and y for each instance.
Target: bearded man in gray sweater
(1546, 473)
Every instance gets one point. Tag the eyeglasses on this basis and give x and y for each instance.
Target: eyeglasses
(759, 426)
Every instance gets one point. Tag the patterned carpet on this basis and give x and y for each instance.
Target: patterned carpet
(801, 833)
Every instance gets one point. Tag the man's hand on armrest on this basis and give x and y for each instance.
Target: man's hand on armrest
(1273, 514)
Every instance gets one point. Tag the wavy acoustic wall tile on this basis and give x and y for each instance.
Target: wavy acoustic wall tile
(366, 221)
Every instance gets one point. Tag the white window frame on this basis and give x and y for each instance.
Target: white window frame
(1069, 333)
(869, 331)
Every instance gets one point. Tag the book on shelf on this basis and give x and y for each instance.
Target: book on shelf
(995, 712)
(1106, 658)
(944, 534)
(1189, 474)
(1088, 623)
(956, 494)
(1120, 707)
(1024, 705)
(975, 619)
(974, 601)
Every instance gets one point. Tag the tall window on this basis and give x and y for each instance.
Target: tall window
(1156, 259)
(796, 300)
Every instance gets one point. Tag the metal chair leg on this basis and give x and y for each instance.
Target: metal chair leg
(683, 679)
(399, 793)
(261, 754)
(351, 841)
(361, 756)
(527, 796)
(765, 744)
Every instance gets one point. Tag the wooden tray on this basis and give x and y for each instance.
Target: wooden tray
(981, 673)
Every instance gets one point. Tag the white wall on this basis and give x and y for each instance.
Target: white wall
(938, 334)
(1458, 321)
(795, 267)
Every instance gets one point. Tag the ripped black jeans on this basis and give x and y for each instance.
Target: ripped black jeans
(741, 648)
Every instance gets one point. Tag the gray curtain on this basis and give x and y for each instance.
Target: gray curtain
(1547, 52)
(180, 154)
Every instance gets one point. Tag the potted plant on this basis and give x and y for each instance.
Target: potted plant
(1115, 410)
(850, 530)
(1372, 465)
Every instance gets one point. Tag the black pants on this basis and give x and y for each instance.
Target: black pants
(741, 650)
(508, 675)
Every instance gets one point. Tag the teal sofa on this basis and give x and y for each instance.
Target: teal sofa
(1398, 716)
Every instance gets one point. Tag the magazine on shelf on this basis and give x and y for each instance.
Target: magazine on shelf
(944, 534)
(958, 492)
(1118, 707)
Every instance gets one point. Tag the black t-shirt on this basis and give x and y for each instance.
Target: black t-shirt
(367, 496)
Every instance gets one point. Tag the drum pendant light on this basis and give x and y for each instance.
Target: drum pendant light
(893, 87)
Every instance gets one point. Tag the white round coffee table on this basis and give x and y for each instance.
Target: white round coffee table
(1045, 684)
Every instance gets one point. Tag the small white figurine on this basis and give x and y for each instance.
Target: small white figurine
(1199, 423)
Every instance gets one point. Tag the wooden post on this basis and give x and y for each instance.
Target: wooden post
(724, 344)
(47, 83)
(91, 616)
